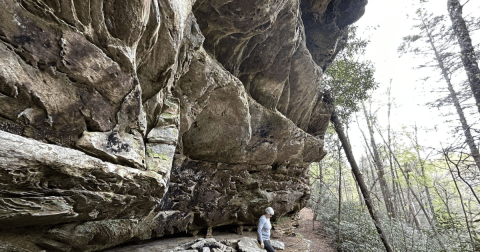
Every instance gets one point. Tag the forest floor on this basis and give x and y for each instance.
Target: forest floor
(295, 239)
(319, 241)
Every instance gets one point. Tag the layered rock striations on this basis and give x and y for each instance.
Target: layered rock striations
(127, 120)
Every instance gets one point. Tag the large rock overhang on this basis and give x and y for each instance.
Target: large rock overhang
(128, 120)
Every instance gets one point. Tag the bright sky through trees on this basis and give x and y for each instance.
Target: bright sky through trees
(394, 20)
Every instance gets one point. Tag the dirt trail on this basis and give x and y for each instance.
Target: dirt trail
(319, 242)
(297, 243)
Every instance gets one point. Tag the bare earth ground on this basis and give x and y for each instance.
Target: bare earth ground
(319, 242)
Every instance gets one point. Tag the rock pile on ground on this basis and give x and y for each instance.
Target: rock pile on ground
(244, 244)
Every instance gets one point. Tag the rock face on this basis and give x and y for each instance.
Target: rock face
(127, 120)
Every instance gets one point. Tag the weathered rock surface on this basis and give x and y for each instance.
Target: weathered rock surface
(265, 46)
(277, 244)
(247, 244)
(101, 203)
(325, 22)
(123, 121)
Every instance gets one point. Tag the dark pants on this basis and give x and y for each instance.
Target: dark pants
(267, 245)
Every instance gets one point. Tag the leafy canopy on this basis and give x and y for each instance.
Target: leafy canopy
(350, 78)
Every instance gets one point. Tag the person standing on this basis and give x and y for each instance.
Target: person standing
(263, 230)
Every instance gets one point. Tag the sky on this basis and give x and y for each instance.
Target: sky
(409, 93)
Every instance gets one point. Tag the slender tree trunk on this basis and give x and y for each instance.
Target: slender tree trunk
(466, 128)
(313, 207)
(360, 197)
(445, 202)
(467, 51)
(401, 197)
(320, 188)
(339, 235)
(315, 203)
(470, 212)
(370, 166)
(358, 176)
(411, 206)
(380, 170)
(390, 162)
(420, 204)
(424, 177)
(461, 203)
(373, 188)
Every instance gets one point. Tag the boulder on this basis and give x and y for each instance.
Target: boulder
(80, 202)
(277, 244)
(247, 244)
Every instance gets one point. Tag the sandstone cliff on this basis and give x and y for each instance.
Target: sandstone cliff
(126, 120)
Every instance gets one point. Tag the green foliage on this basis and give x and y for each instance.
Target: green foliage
(448, 221)
(350, 78)
(358, 232)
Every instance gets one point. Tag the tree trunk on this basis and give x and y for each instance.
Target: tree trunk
(380, 170)
(339, 235)
(466, 128)
(358, 176)
(320, 189)
(411, 206)
(467, 51)
(370, 173)
(424, 178)
(401, 197)
(360, 197)
(461, 203)
(390, 162)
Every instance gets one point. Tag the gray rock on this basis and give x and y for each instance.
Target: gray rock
(166, 135)
(36, 210)
(247, 244)
(115, 147)
(199, 243)
(159, 158)
(182, 126)
(55, 185)
(230, 242)
(211, 169)
(210, 243)
(278, 73)
(277, 244)
(162, 139)
(324, 32)
(308, 245)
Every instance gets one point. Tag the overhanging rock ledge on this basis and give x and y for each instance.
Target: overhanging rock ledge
(127, 120)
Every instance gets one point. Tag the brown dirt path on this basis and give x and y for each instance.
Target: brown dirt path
(319, 242)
